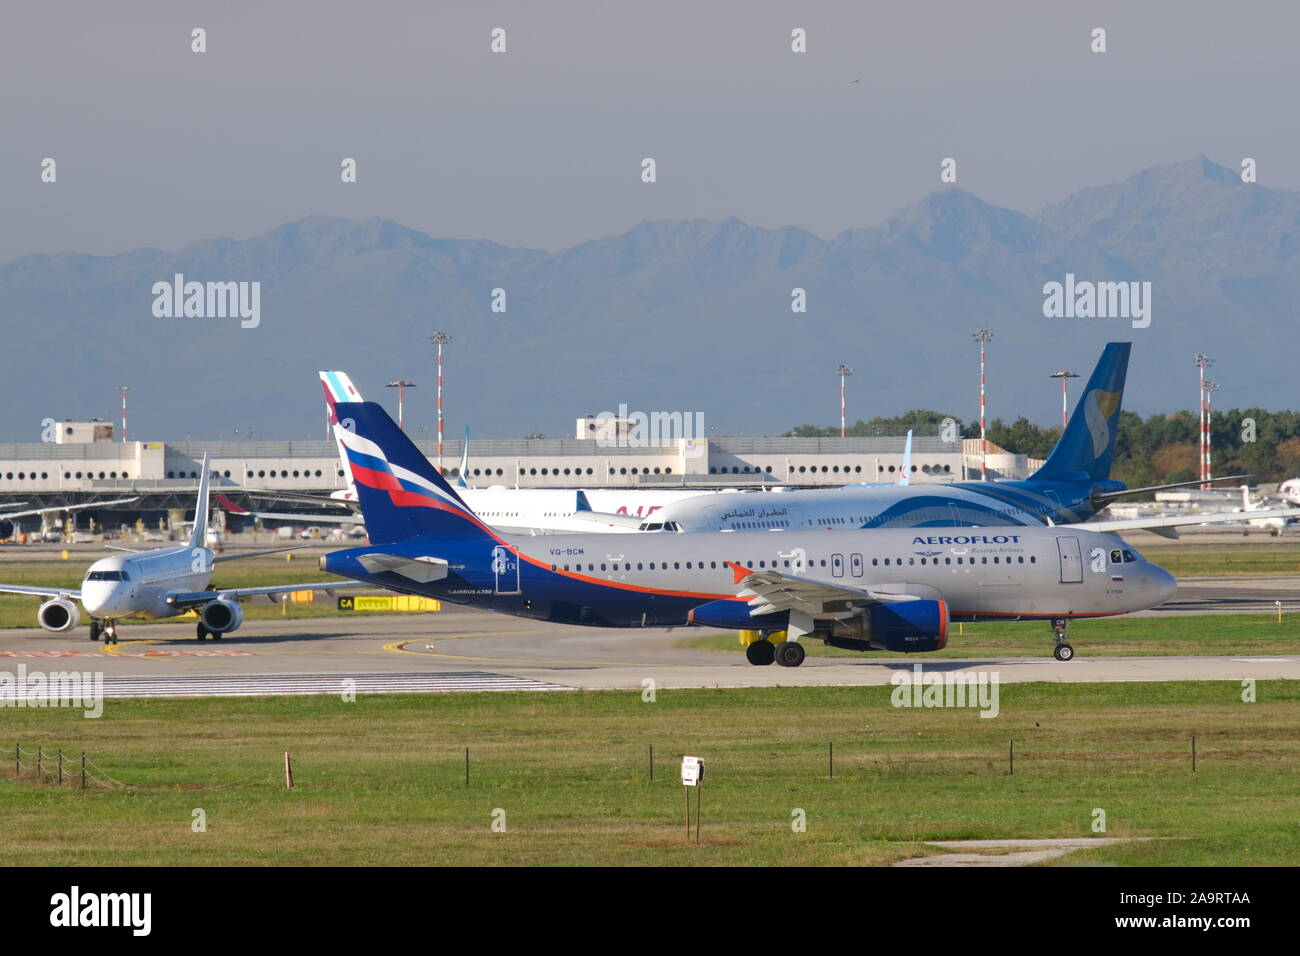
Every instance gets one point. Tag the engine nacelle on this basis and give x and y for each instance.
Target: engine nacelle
(734, 615)
(7, 529)
(221, 616)
(58, 615)
(900, 626)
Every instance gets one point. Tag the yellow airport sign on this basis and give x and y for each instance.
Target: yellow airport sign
(388, 602)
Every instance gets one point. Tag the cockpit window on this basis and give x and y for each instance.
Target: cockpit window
(1117, 556)
(105, 576)
(1129, 555)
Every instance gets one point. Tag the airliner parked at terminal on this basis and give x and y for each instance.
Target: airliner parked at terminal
(885, 589)
(162, 582)
(1073, 485)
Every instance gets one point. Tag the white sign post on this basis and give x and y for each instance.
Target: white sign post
(693, 776)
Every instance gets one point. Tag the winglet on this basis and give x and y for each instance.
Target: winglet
(230, 506)
(907, 460)
(583, 503)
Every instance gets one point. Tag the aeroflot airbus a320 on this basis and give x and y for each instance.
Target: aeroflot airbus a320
(880, 589)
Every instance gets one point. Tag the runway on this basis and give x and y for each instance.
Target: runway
(468, 650)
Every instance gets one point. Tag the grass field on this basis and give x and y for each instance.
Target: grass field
(1237, 559)
(381, 781)
(1181, 635)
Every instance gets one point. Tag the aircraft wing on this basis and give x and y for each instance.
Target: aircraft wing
(89, 504)
(1177, 521)
(771, 591)
(193, 599)
(40, 592)
(234, 509)
(341, 503)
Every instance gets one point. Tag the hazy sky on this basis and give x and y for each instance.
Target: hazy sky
(541, 146)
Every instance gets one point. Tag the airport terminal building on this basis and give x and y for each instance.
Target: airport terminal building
(84, 463)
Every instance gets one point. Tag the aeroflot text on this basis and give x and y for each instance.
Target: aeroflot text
(969, 539)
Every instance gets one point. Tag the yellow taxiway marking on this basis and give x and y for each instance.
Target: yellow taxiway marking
(400, 648)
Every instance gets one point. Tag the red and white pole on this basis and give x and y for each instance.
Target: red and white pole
(440, 339)
(1202, 363)
(124, 389)
(843, 372)
(982, 336)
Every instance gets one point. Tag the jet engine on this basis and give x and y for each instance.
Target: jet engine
(899, 626)
(221, 616)
(7, 529)
(58, 615)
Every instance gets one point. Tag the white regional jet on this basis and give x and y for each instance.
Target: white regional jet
(163, 582)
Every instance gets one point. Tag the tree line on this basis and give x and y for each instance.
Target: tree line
(1156, 450)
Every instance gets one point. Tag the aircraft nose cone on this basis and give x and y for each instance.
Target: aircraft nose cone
(1164, 585)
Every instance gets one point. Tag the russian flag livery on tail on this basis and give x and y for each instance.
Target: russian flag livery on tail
(400, 493)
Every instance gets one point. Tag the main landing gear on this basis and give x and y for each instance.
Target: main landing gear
(1063, 651)
(763, 652)
(108, 630)
(202, 633)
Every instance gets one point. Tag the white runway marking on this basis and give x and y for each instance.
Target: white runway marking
(286, 684)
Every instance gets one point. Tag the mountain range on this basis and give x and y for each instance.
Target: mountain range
(675, 316)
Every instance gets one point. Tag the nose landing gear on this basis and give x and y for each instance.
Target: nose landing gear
(1063, 651)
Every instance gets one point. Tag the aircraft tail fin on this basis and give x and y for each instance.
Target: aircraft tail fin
(200, 531)
(401, 494)
(1087, 446)
(464, 462)
(339, 388)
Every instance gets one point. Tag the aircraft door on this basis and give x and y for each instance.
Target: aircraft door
(505, 570)
(1071, 560)
(837, 565)
(855, 565)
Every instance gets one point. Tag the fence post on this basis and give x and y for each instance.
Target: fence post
(288, 772)
(60, 766)
(83, 770)
(40, 767)
(18, 752)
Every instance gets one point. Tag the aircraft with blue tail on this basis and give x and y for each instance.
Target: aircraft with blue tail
(1073, 485)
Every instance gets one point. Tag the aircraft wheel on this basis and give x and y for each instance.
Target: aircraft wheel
(216, 635)
(760, 653)
(201, 632)
(94, 630)
(1063, 652)
(789, 653)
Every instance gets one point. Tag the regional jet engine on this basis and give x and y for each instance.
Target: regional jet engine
(222, 616)
(58, 615)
